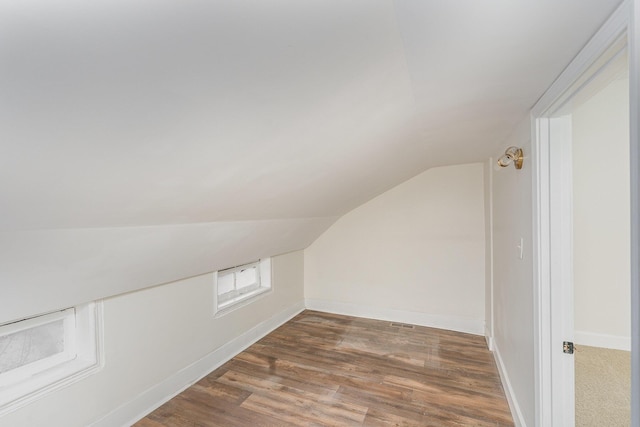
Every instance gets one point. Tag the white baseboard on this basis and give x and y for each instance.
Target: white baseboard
(601, 340)
(490, 341)
(146, 402)
(516, 413)
(452, 323)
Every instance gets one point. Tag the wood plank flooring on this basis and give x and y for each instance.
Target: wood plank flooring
(323, 369)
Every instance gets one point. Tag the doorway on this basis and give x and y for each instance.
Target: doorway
(600, 218)
(582, 144)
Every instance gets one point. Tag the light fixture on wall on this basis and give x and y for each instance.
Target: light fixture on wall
(512, 155)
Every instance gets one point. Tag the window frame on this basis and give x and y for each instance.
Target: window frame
(23, 372)
(82, 356)
(264, 286)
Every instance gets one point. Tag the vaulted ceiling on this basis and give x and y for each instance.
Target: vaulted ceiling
(244, 128)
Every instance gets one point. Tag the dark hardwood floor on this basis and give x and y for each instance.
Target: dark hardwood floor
(324, 369)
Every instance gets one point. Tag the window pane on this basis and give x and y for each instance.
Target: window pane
(225, 284)
(28, 346)
(246, 278)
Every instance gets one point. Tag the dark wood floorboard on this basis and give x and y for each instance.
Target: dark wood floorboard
(323, 369)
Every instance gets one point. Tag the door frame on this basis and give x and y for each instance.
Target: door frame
(553, 322)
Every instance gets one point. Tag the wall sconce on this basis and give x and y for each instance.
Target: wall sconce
(512, 155)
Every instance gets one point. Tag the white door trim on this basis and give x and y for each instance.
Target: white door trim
(541, 272)
(548, 321)
(561, 269)
(634, 97)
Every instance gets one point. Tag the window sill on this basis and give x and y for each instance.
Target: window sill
(240, 301)
(18, 395)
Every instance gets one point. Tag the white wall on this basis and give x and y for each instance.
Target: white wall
(414, 253)
(153, 334)
(513, 278)
(66, 267)
(601, 218)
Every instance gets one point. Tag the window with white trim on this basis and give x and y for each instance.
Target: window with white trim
(47, 352)
(237, 285)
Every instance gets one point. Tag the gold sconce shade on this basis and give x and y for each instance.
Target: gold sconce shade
(512, 155)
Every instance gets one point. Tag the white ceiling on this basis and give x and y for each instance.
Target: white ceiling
(121, 113)
(240, 129)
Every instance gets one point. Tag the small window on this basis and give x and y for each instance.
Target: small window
(36, 344)
(234, 286)
(45, 353)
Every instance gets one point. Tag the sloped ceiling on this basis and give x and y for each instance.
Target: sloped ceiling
(241, 128)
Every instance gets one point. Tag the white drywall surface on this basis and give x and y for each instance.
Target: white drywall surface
(417, 248)
(47, 270)
(513, 325)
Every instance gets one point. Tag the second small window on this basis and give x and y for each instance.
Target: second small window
(238, 284)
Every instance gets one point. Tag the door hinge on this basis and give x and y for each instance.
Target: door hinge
(567, 347)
